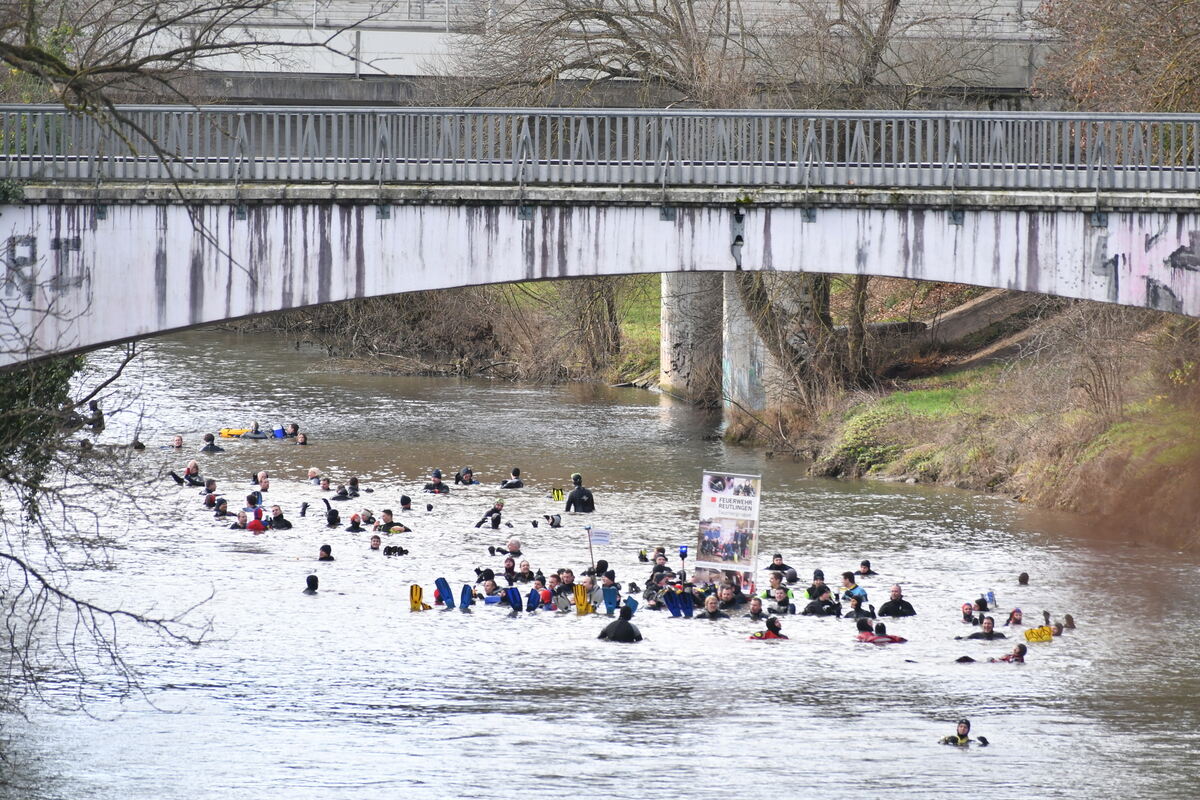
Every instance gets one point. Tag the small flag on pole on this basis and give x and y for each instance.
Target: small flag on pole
(599, 537)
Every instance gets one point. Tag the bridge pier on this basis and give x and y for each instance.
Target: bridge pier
(691, 336)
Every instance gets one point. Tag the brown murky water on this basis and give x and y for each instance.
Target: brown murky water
(348, 694)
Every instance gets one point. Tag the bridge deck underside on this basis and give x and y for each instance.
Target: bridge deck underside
(79, 276)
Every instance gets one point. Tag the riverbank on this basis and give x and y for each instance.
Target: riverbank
(1097, 417)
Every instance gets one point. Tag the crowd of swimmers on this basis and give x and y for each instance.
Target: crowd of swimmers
(710, 595)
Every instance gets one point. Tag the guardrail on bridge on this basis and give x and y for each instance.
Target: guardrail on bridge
(669, 148)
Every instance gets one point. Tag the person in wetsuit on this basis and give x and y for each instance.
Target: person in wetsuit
(777, 563)
(210, 445)
(962, 736)
(773, 631)
(191, 475)
(852, 589)
(781, 603)
(775, 581)
(355, 525)
(278, 522)
(465, 477)
(859, 610)
(524, 573)
(823, 606)
(325, 553)
(254, 433)
(897, 606)
(580, 499)
(813, 592)
(883, 637)
(756, 610)
(621, 629)
(389, 525)
(494, 513)
(311, 584)
(711, 611)
(1017, 656)
(864, 569)
(514, 480)
(988, 631)
(435, 485)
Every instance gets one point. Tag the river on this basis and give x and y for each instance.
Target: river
(348, 694)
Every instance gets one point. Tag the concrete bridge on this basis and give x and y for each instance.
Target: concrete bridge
(249, 211)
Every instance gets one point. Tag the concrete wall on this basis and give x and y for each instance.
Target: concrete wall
(81, 275)
(691, 336)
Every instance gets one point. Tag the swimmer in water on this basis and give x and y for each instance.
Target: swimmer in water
(1015, 618)
(813, 592)
(210, 445)
(780, 604)
(777, 563)
(375, 542)
(962, 736)
(864, 569)
(465, 477)
(387, 524)
(435, 485)
(711, 609)
(514, 480)
(325, 553)
(823, 606)
(580, 499)
(988, 631)
(242, 522)
(177, 442)
(860, 611)
(355, 525)
(621, 629)
(774, 630)
(897, 606)
(291, 430)
(191, 475)
(254, 432)
(883, 637)
(494, 513)
(312, 584)
(302, 438)
(852, 589)
(756, 610)
(1017, 656)
(222, 508)
(278, 522)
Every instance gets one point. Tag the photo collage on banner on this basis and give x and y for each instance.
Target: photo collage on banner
(728, 540)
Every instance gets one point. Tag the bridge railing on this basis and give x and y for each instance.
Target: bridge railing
(868, 149)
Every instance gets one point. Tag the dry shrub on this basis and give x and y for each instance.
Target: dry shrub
(545, 332)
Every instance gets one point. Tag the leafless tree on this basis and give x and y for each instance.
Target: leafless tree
(53, 480)
(1114, 55)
